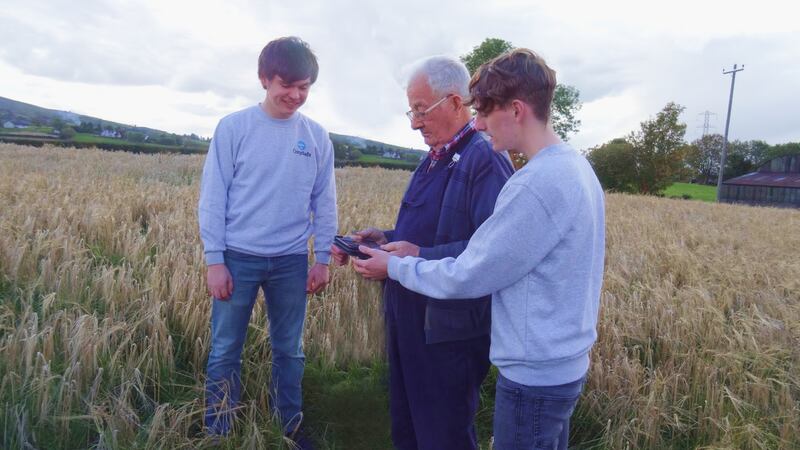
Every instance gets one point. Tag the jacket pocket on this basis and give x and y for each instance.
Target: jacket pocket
(455, 195)
(454, 319)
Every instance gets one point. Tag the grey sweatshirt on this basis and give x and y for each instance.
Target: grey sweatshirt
(262, 180)
(541, 256)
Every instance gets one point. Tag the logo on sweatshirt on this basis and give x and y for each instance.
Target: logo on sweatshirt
(298, 149)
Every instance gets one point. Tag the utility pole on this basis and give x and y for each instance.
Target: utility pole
(727, 124)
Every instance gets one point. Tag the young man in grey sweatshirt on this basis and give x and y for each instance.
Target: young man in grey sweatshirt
(267, 187)
(540, 255)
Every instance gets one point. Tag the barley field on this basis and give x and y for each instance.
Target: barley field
(104, 317)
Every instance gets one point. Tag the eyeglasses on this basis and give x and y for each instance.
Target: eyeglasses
(419, 115)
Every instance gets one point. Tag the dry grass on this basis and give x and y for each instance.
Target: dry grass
(104, 315)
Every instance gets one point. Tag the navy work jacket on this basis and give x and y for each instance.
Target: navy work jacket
(440, 211)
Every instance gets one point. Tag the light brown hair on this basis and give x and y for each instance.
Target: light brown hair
(518, 74)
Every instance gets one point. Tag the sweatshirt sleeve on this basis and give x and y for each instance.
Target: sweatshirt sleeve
(515, 239)
(323, 204)
(212, 207)
(485, 188)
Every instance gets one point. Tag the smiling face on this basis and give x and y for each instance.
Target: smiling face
(284, 98)
(437, 125)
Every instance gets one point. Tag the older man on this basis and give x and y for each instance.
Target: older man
(541, 254)
(438, 352)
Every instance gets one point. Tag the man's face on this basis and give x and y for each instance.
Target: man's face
(436, 125)
(284, 98)
(500, 126)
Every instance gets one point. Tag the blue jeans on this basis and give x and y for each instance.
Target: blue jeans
(533, 417)
(283, 279)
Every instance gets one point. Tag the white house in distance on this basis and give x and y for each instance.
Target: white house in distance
(10, 124)
(111, 134)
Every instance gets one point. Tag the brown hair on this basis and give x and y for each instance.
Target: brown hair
(289, 57)
(518, 74)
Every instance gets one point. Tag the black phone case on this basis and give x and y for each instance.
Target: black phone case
(349, 246)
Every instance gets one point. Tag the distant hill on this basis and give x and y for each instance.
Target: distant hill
(41, 120)
(15, 111)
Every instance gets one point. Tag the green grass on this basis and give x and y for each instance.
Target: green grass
(82, 140)
(348, 409)
(693, 191)
(94, 139)
(386, 161)
(26, 130)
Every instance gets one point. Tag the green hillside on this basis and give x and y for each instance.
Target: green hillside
(25, 123)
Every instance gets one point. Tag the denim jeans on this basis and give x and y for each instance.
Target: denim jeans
(533, 417)
(283, 279)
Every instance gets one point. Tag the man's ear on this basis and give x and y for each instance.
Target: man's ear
(458, 102)
(264, 80)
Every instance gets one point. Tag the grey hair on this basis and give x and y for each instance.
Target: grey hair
(446, 75)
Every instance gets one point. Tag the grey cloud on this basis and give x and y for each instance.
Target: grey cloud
(98, 43)
(113, 44)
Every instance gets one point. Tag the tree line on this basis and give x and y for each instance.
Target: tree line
(650, 159)
(131, 134)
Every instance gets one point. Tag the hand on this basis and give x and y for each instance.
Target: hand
(220, 282)
(338, 255)
(371, 234)
(374, 268)
(401, 249)
(318, 278)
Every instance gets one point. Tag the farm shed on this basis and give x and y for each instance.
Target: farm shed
(775, 183)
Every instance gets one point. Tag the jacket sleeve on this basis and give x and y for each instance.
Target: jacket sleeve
(323, 204)
(500, 253)
(212, 207)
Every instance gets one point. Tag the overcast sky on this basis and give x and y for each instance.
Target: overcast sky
(182, 65)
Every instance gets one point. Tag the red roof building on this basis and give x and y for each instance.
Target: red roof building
(775, 183)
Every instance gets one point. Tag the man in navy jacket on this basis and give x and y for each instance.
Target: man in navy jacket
(439, 351)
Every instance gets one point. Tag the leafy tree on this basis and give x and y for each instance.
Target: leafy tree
(135, 136)
(488, 50)
(57, 124)
(168, 139)
(757, 151)
(704, 160)
(614, 164)
(789, 148)
(566, 99)
(566, 103)
(67, 133)
(411, 157)
(737, 164)
(659, 150)
(85, 127)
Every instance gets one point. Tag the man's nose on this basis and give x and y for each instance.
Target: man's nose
(416, 124)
